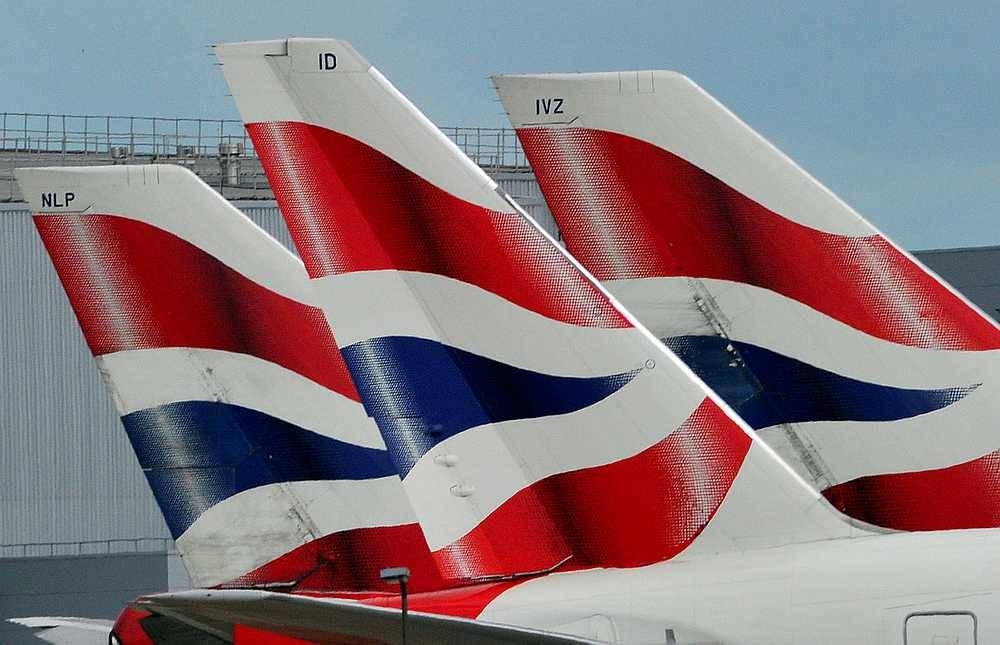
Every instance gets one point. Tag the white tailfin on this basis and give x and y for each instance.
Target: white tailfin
(231, 388)
(532, 420)
(875, 380)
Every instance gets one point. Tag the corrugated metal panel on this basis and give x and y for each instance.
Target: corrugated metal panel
(266, 214)
(67, 472)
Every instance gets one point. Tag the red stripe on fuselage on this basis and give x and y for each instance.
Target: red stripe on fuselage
(347, 565)
(135, 286)
(629, 209)
(128, 628)
(351, 560)
(351, 208)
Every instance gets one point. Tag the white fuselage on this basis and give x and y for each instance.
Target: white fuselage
(934, 587)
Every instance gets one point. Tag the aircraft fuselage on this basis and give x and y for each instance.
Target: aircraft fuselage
(860, 590)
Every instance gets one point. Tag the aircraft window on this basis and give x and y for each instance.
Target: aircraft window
(940, 628)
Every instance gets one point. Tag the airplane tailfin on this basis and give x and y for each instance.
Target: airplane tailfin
(866, 372)
(534, 424)
(230, 386)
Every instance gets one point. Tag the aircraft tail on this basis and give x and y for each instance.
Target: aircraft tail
(231, 388)
(533, 422)
(866, 372)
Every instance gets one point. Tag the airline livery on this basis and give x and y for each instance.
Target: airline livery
(438, 385)
(232, 391)
(869, 375)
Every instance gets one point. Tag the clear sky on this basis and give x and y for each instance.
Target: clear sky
(892, 105)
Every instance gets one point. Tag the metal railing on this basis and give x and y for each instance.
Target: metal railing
(218, 150)
(491, 148)
(27, 132)
(123, 137)
(90, 547)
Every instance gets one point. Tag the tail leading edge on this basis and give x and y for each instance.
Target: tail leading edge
(533, 423)
(231, 388)
(867, 373)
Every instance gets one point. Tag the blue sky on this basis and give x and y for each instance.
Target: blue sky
(892, 105)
